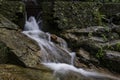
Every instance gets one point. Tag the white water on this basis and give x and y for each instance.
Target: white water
(48, 49)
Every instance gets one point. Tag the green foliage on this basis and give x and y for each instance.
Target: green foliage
(77, 14)
(118, 46)
(90, 34)
(104, 37)
(14, 11)
(100, 53)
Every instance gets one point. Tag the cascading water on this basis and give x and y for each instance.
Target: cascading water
(55, 57)
(49, 51)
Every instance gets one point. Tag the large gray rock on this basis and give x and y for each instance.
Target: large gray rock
(16, 46)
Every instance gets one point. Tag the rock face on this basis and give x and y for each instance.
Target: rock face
(76, 23)
(97, 45)
(14, 11)
(96, 40)
(15, 45)
(66, 15)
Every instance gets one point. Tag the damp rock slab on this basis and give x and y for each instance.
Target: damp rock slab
(15, 47)
(10, 72)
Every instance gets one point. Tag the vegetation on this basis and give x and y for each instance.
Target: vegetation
(99, 0)
(100, 53)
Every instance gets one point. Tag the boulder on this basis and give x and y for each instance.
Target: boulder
(16, 47)
(59, 41)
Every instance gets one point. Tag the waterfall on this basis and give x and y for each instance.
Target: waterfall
(58, 58)
(49, 51)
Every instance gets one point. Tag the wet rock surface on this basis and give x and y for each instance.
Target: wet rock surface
(95, 40)
(17, 45)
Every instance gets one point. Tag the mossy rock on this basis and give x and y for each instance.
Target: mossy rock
(70, 14)
(19, 49)
(14, 11)
(10, 72)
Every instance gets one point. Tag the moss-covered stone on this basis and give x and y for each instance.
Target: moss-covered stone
(14, 11)
(10, 72)
(21, 49)
(76, 14)
(66, 15)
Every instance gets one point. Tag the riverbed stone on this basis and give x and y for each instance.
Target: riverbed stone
(10, 72)
(17, 48)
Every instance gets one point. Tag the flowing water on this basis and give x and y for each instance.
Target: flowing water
(49, 51)
(58, 58)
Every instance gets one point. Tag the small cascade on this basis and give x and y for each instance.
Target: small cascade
(73, 55)
(58, 58)
(31, 22)
(64, 68)
(49, 37)
(49, 51)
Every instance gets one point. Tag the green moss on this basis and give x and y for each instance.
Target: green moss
(76, 14)
(100, 53)
(14, 11)
(118, 46)
(69, 14)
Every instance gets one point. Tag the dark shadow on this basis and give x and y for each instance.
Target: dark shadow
(13, 59)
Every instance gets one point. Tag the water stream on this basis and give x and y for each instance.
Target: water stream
(58, 58)
(49, 51)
